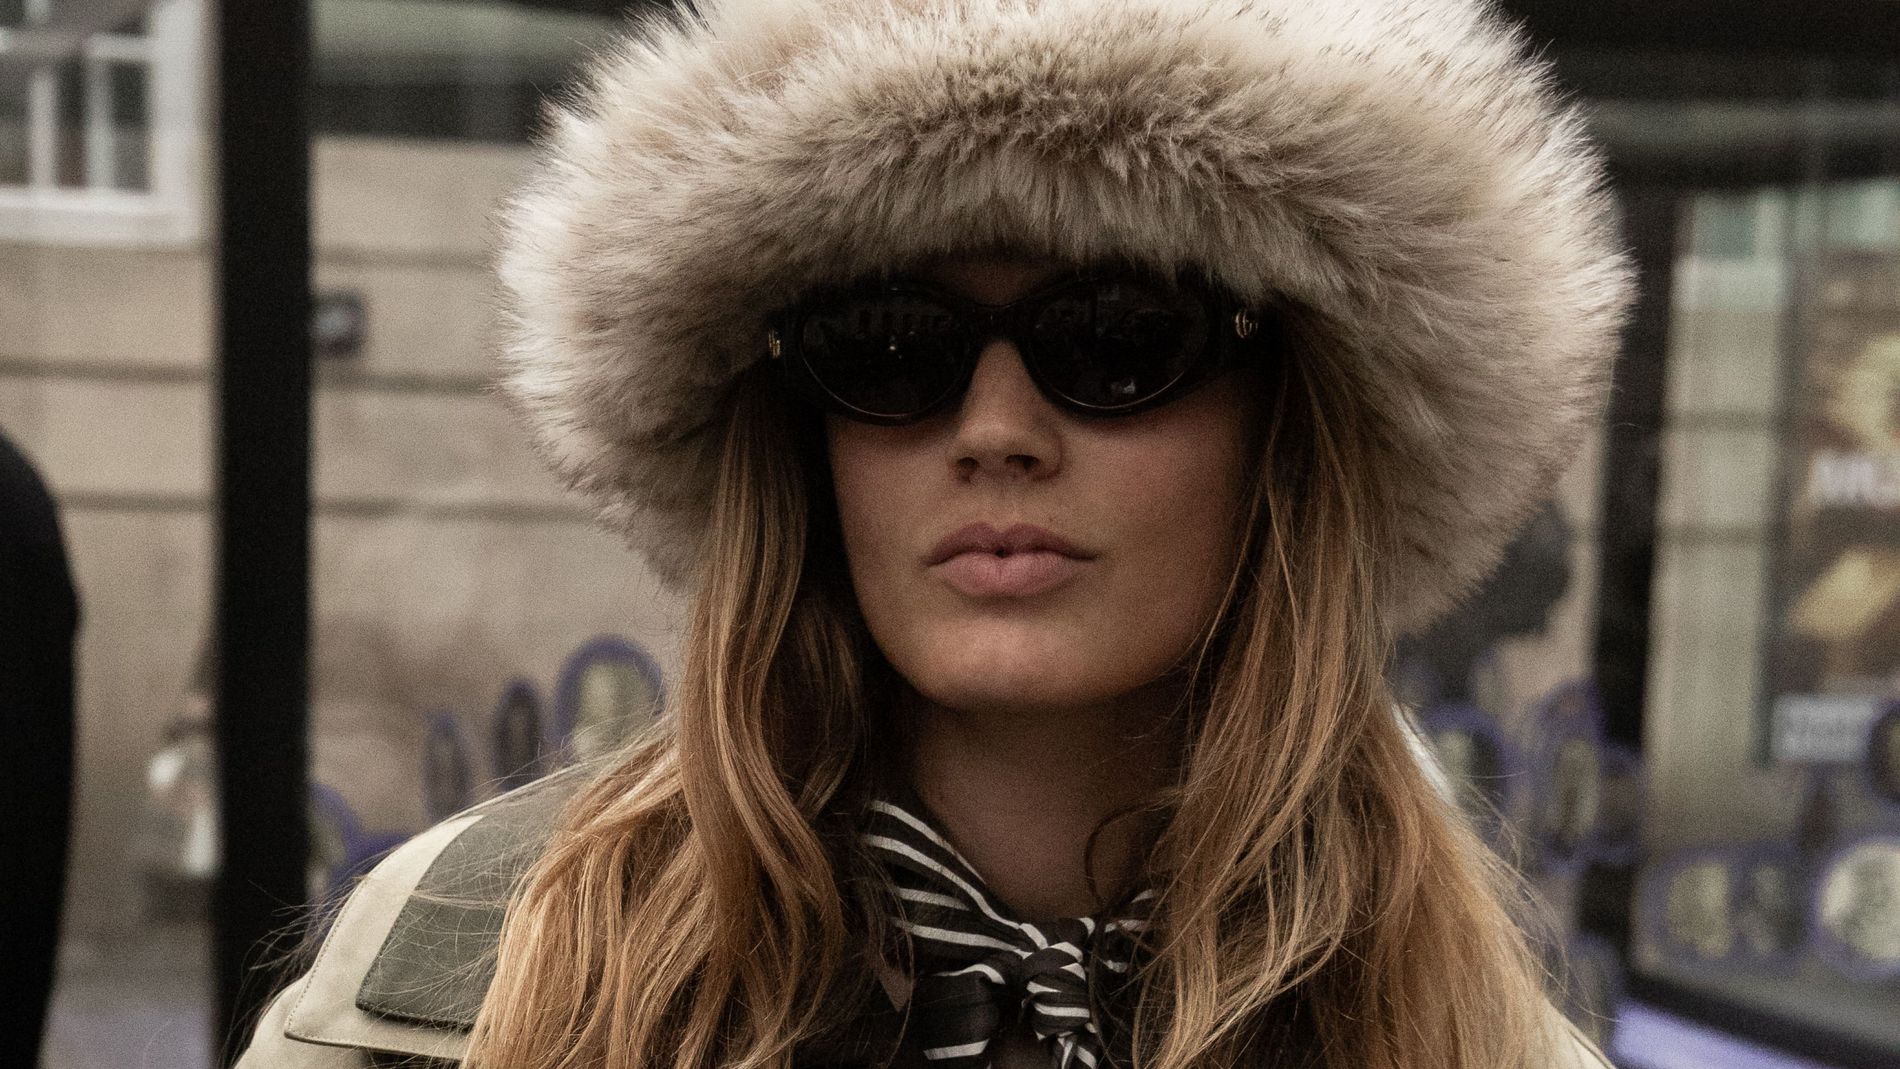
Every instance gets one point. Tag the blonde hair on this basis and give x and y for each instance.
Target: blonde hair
(1318, 900)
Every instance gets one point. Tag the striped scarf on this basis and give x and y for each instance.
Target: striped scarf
(977, 968)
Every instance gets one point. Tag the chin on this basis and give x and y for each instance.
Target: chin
(992, 694)
(1020, 676)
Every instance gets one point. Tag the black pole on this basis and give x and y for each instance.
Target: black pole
(263, 492)
(1632, 463)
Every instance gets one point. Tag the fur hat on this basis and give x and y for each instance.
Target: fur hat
(1400, 167)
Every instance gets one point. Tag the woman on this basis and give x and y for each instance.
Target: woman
(1059, 407)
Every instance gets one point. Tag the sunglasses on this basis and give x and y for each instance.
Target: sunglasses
(1097, 344)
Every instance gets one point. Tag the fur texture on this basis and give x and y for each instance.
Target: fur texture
(1398, 166)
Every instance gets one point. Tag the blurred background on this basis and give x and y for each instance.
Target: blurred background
(1676, 707)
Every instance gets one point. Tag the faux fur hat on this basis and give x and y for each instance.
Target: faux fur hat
(1400, 167)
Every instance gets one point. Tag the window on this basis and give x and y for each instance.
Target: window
(102, 138)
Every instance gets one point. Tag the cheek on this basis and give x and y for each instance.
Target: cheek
(1179, 526)
(875, 486)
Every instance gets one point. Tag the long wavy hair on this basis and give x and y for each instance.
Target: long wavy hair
(1318, 901)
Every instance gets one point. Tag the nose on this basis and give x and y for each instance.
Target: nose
(1004, 426)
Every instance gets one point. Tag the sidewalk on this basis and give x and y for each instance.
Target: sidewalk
(143, 1002)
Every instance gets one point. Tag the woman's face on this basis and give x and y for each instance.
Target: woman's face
(1148, 503)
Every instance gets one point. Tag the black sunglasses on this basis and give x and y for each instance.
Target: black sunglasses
(1098, 344)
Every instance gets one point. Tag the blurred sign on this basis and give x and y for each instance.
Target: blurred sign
(609, 690)
(517, 736)
(1834, 649)
(447, 780)
(1483, 767)
(335, 834)
(339, 322)
(1821, 728)
(1857, 909)
(1735, 909)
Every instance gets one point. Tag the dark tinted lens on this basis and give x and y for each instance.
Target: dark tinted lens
(1118, 343)
(887, 354)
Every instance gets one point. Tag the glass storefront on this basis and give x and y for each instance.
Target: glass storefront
(469, 623)
(1772, 881)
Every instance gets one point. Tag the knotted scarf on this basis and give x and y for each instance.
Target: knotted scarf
(977, 969)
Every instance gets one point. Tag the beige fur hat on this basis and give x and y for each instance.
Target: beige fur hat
(1398, 166)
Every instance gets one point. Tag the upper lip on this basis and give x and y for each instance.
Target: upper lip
(1020, 538)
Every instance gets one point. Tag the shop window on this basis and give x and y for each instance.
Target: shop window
(102, 137)
(1771, 883)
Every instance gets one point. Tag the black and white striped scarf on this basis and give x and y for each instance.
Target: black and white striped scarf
(978, 969)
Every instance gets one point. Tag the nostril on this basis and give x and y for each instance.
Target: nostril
(977, 452)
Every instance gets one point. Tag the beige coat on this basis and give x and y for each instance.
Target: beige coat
(404, 967)
(316, 1023)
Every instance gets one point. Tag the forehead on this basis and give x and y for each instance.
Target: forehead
(990, 279)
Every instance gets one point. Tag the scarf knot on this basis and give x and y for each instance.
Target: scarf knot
(981, 971)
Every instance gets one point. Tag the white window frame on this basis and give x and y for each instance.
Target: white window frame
(173, 209)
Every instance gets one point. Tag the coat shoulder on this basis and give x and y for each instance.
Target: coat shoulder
(405, 965)
(1572, 1049)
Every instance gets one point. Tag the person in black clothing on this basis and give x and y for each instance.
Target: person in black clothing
(39, 621)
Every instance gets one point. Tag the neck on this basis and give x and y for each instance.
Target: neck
(1019, 792)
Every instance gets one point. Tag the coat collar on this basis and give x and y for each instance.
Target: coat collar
(423, 982)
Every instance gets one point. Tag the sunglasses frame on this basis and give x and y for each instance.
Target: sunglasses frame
(1235, 331)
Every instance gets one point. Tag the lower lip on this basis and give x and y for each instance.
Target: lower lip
(986, 575)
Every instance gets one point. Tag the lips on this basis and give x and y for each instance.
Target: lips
(983, 538)
(981, 562)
